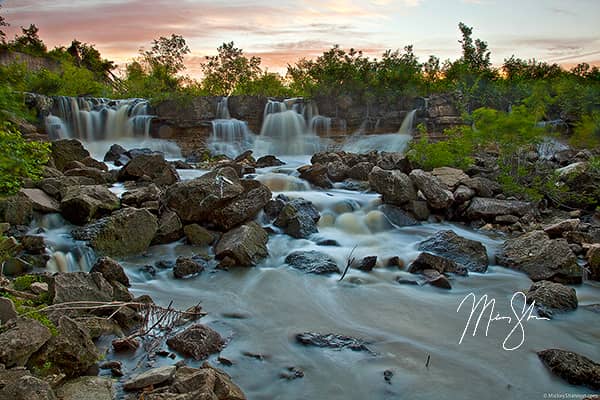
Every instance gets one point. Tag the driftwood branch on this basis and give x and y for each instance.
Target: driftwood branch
(349, 261)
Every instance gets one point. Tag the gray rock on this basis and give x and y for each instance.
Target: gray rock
(558, 229)
(316, 174)
(154, 166)
(550, 297)
(170, 228)
(247, 244)
(99, 176)
(7, 310)
(111, 270)
(298, 218)
(449, 177)
(196, 199)
(437, 195)
(87, 388)
(114, 153)
(57, 187)
(337, 171)
(483, 187)
(27, 387)
(139, 195)
(541, 258)
(312, 262)
(185, 267)
(41, 201)
(367, 263)
(360, 171)
(572, 367)
(79, 286)
(125, 232)
(16, 210)
(198, 341)
(242, 208)
(80, 204)
(152, 377)
(395, 187)
(462, 194)
(488, 209)
(268, 161)
(441, 264)
(332, 341)
(436, 279)
(394, 160)
(67, 150)
(22, 338)
(397, 216)
(198, 235)
(448, 244)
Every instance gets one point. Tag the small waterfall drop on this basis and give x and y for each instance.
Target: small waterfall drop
(92, 119)
(408, 123)
(229, 136)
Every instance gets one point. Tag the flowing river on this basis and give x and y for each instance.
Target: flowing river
(412, 331)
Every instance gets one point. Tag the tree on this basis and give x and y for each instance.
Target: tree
(475, 53)
(86, 56)
(166, 54)
(2, 33)
(228, 69)
(29, 41)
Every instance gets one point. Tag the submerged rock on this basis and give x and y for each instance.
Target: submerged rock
(541, 258)
(298, 218)
(185, 267)
(332, 341)
(111, 270)
(427, 261)
(198, 341)
(247, 244)
(268, 161)
(312, 262)
(572, 367)
(469, 253)
(550, 297)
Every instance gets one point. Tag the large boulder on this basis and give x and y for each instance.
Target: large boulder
(80, 204)
(246, 244)
(22, 338)
(27, 387)
(99, 176)
(360, 171)
(57, 186)
(79, 286)
(541, 258)
(550, 297)
(196, 199)
(312, 262)
(170, 228)
(483, 187)
(41, 201)
(437, 195)
(337, 171)
(488, 208)
(199, 235)
(114, 153)
(316, 174)
(111, 270)
(298, 218)
(141, 195)
(153, 166)
(16, 210)
(395, 187)
(449, 177)
(155, 376)
(125, 232)
(71, 351)
(67, 150)
(198, 341)
(243, 207)
(394, 160)
(469, 253)
(572, 367)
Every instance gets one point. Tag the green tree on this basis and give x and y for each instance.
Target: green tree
(29, 41)
(228, 69)
(166, 54)
(86, 56)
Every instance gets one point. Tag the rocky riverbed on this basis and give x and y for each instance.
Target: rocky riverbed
(397, 248)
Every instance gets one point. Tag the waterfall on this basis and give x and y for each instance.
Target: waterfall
(286, 133)
(229, 136)
(408, 123)
(91, 119)
(273, 107)
(320, 125)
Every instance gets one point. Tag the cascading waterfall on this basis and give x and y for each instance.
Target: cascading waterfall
(91, 119)
(229, 136)
(361, 143)
(408, 123)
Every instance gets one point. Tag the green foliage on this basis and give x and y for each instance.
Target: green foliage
(24, 282)
(30, 309)
(29, 41)
(19, 159)
(456, 151)
(266, 84)
(227, 70)
(587, 131)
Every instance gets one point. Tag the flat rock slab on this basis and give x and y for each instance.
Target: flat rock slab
(152, 377)
(23, 337)
(312, 262)
(41, 201)
(87, 388)
(332, 341)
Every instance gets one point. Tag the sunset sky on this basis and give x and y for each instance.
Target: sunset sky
(280, 32)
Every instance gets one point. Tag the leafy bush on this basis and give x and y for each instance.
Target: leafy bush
(587, 132)
(19, 159)
(454, 152)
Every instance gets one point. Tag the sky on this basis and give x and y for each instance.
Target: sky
(281, 32)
